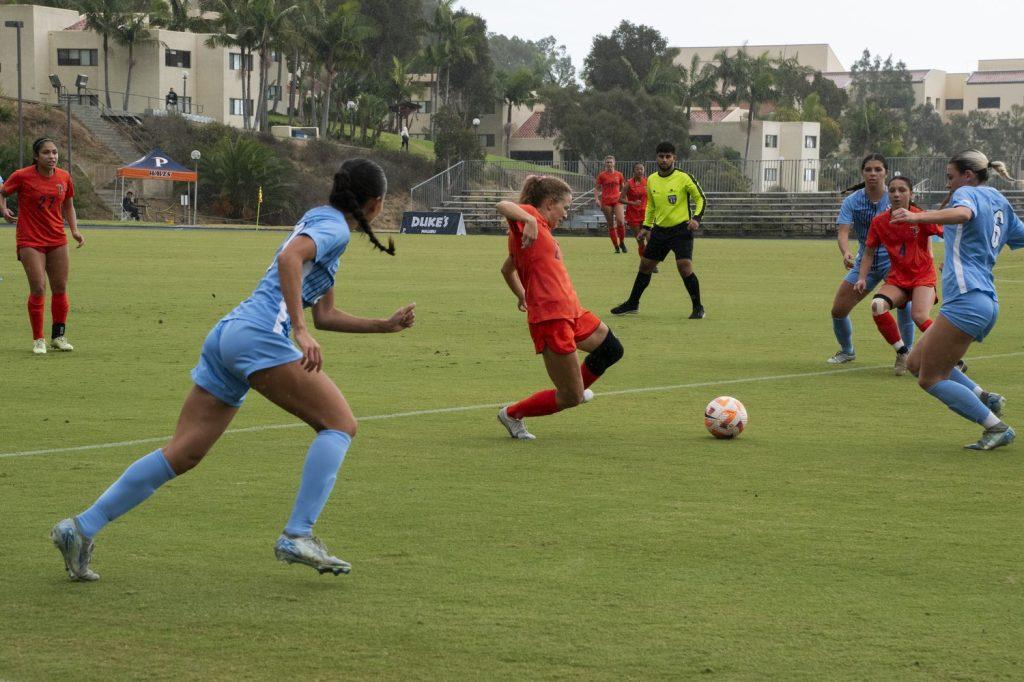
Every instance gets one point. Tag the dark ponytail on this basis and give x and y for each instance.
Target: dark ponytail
(356, 182)
(874, 156)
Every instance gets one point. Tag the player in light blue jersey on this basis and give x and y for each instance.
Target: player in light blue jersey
(857, 211)
(249, 347)
(979, 222)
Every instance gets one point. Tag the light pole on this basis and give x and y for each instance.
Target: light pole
(351, 106)
(196, 155)
(17, 26)
(476, 129)
(184, 90)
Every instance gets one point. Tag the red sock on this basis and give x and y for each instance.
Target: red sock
(886, 324)
(537, 405)
(613, 234)
(35, 314)
(621, 231)
(588, 376)
(924, 325)
(59, 306)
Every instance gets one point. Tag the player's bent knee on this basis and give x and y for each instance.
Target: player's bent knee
(604, 356)
(881, 304)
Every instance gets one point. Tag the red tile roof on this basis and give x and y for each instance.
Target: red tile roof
(78, 25)
(979, 77)
(701, 116)
(529, 128)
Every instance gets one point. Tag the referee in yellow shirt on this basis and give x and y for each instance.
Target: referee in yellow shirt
(668, 226)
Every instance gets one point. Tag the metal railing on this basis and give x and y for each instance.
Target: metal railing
(718, 176)
(137, 103)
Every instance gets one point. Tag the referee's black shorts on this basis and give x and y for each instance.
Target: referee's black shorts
(678, 239)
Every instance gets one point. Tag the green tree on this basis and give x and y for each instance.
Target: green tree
(626, 57)
(881, 97)
(236, 28)
(698, 85)
(927, 132)
(104, 17)
(545, 57)
(134, 30)
(595, 123)
(516, 88)
(812, 110)
(748, 81)
(234, 171)
(454, 140)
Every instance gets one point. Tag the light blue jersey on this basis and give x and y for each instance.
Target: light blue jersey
(972, 248)
(857, 210)
(266, 308)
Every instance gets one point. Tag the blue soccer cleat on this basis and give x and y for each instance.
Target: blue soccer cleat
(76, 550)
(310, 551)
(990, 440)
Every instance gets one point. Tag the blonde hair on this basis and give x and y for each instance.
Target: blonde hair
(609, 158)
(973, 160)
(537, 188)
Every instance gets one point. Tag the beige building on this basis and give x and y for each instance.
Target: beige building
(207, 80)
(818, 56)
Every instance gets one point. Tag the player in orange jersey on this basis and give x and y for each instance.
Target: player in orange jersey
(536, 274)
(636, 204)
(911, 277)
(608, 192)
(45, 200)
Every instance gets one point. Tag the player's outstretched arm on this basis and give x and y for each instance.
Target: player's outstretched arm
(945, 216)
(327, 317)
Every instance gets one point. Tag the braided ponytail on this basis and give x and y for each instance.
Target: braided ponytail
(356, 182)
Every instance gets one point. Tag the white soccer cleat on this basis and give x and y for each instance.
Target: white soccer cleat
(309, 551)
(990, 440)
(39, 346)
(516, 427)
(61, 343)
(900, 367)
(76, 550)
(588, 395)
(840, 357)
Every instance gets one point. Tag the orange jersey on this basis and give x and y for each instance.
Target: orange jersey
(636, 191)
(611, 186)
(910, 250)
(40, 205)
(549, 292)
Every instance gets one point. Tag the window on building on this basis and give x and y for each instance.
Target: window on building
(273, 92)
(954, 105)
(927, 100)
(771, 174)
(69, 57)
(810, 141)
(179, 58)
(426, 107)
(988, 102)
(771, 141)
(237, 104)
(235, 61)
(810, 174)
(487, 140)
(938, 102)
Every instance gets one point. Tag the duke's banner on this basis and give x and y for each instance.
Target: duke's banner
(423, 222)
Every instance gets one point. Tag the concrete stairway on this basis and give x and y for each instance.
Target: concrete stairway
(112, 134)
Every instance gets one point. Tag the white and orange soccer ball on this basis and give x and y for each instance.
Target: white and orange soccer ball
(725, 417)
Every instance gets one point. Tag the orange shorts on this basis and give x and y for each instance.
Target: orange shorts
(46, 248)
(561, 336)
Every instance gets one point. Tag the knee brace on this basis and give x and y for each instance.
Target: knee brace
(881, 304)
(604, 356)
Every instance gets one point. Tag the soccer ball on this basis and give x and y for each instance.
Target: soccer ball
(725, 417)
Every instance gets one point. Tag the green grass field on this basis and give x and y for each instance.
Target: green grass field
(845, 535)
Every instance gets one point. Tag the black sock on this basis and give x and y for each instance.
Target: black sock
(639, 284)
(58, 330)
(693, 287)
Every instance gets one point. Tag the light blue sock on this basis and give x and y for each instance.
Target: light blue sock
(318, 476)
(138, 482)
(962, 379)
(844, 333)
(961, 400)
(906, 324)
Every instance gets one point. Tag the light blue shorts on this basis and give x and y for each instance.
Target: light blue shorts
(973, 313)
(232, 351)
(875, 277)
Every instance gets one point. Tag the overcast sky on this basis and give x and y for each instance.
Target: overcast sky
(938, 34)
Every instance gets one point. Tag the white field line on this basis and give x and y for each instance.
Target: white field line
(486, 406)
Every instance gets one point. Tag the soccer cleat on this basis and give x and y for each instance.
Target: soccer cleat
(588, 395)
(996, 403)
(990, 440)
(626, 308)
(310, 551)
(698, 313)
(61, 343)
(39, 346)
(617, 249)
(76, 550)
(623, 247)
(962, 366)
(840, 357)
(516, 427)
(900, 367)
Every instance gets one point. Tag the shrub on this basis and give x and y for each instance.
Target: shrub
(235, 169)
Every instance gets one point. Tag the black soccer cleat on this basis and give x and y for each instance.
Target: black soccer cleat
(698, 313)
(626, 308)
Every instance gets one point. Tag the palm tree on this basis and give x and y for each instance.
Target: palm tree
(134, 30)
(236, 24)
(745, 80)
(516, 88)
(398, 87)
(698, 86)
(268, 19)
(103, 17)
